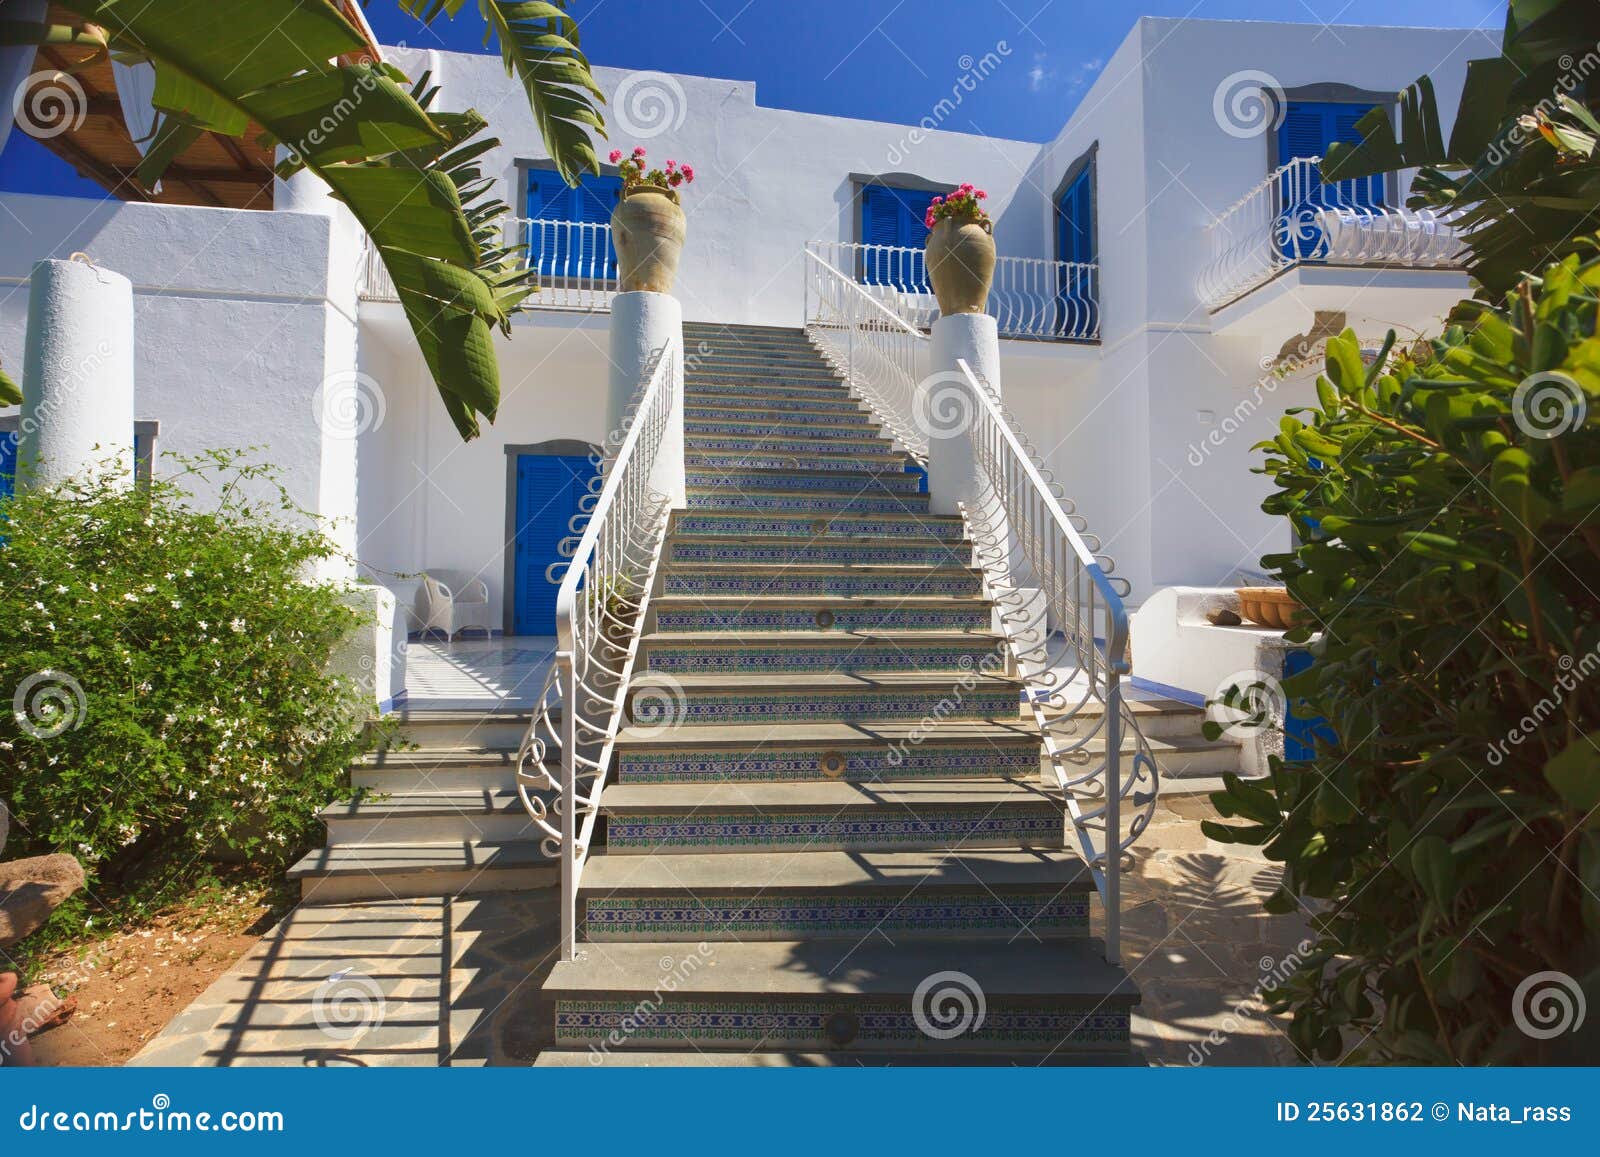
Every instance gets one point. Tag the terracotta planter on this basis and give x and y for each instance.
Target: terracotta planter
(648, 228)
(961, 264)
(1269, 607)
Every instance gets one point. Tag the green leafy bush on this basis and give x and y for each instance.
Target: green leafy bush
(163, 668)
(1447, 835)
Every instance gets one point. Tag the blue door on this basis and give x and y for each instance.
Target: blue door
(549, 490)
(8, 463)
(1308, 128)
(1077, 295)
(574, 253)
(894, 217)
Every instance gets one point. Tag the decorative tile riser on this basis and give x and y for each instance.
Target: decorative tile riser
(1026, 826)
(854, 467)
(980, 914)
(749, 480)
(737, 411)
(976, 618)
(844, 554)
(825, 503)
(759, 444)
(774, 394)
(887, 764)
(843, 1023)
(781, 706)
(756, 431)
(843, 585)
(853, 657)
(824, 401)
(844, 526)
(809, 377)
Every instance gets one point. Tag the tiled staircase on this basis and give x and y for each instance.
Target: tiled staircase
(825, 835)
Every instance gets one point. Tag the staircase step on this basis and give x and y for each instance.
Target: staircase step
(830, 698)
(765, 613)
(816, 376)
(863, 429)
(400, 870)
(792, 480)
(792, 550)
(823, 895)
(850, 466)
(822, 751)
(1160, 719)
(801, 447)
(429, 817)
(868, 499)
(822, 651)
(827, 527)
(1050, 997)
(807, 580)
(787, 401)
(802, 816)
(762, 421)
(469, 728)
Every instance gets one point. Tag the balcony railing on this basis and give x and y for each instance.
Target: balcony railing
(1031, 298)
(1293, 217)
(576, 262)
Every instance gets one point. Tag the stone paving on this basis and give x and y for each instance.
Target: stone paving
(457, 981)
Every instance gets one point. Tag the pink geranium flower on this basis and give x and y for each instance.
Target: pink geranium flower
(616, 155)
(688, 172)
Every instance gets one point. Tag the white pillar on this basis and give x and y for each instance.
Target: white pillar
(974, 339)
(77, 375)
(641, 323)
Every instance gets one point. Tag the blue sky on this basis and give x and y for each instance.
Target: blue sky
(886, 60)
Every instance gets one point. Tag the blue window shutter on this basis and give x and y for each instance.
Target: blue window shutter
(1075, 239)
(593, 201)
(1308, 128)
(549, 198)
(8, 463)
(880, 225)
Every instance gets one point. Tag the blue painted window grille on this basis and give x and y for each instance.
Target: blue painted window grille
(583, 248)
(1308, 128)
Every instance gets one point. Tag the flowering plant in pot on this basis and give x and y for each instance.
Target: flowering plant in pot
(960, 250)
(647, 225)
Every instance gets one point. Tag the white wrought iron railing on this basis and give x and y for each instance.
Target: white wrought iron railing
(880, 355)
(1293, 216)
(1051, 581)
(1031, 297)
(600, 609)
(576, 262)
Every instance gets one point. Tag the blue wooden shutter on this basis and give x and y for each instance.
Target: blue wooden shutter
(549, 490)
(1308, 128)
(8, 463)
(593, 202)
(894, 217)
(1077, 304)
(880, 225)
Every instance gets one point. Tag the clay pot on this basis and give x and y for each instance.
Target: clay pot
(960, 258)
(1269, 607)
(648, 228)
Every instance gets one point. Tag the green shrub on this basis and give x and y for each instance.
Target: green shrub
(1447, 836)
(166, 660)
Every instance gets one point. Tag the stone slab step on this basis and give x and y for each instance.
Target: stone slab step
(1038, 997)
(867, 500)
(824, 526)
(401, 870)
(439, 769)
(771, 652)
(859, 698)
(864, 428)
(800, 447)
(478, 729)
(823, 895)
(429, 816)
(810, 375)
(674, 819)
(755, 613)
(794, 480)
(821, 751)
(780, 550)
(788, 402)
(1160, 719)
(805, 580)
(762, 421)
(847, 466)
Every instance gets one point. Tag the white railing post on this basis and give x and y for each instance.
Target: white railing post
(567, 676)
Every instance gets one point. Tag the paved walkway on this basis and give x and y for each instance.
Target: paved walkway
(456, 982)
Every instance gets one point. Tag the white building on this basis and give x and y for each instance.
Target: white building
(1137, 367)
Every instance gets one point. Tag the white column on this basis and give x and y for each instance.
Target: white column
(974, 339)
(77, 375)
(641, 323)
